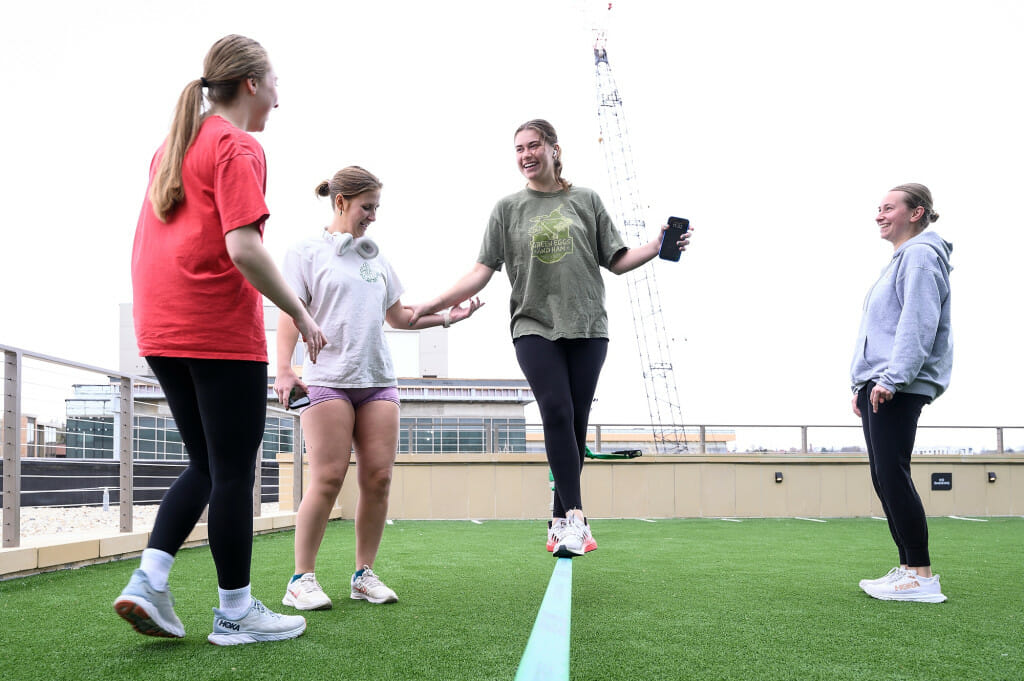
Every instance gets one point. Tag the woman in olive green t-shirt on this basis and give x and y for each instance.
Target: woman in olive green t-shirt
(554, 237)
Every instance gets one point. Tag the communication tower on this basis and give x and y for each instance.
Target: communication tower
(648, 321)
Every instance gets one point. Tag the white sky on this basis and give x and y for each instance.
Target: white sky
(775, 127)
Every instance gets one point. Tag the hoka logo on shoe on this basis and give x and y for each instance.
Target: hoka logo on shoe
(227, 624)
(913, 584)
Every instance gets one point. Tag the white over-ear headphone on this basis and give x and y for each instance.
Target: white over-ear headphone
(342, 242)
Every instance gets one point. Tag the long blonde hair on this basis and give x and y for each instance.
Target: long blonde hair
(232, 59)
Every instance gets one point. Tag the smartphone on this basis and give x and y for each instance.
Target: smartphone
(298, 398)
(677, 227)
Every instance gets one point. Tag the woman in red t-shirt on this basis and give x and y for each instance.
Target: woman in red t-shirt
(198, 271)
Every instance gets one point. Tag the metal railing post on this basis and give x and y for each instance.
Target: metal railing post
(597, 438)
(12, 459)
(297, 466)
(703, 440)
(803, 439)
(999, 440)
(125, 415)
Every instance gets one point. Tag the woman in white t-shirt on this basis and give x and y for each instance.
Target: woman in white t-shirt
(350, 290)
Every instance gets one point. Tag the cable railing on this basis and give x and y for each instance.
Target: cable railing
(76, 435)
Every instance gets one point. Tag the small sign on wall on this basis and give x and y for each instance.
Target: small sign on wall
(942, 481)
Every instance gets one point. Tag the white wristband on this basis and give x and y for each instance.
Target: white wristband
(446, 318)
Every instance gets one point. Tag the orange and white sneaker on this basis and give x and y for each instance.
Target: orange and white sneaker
(554, 532)
(908, 587)
(574, 539)
(589, 543)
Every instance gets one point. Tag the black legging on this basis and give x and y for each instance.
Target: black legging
(563, 376)
(220, 408)
(890, 439)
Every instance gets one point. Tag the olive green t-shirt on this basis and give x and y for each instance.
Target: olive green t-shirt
(554, 244)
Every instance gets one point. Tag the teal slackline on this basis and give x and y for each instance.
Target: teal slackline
(546, 657)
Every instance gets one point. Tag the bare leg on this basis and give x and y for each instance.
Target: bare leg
(376, 437)
(328, 430)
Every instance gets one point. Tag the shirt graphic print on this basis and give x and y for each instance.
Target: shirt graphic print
(552, 239)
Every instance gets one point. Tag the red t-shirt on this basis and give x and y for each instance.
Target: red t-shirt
(189, 298)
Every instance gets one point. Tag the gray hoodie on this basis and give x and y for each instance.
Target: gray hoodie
(905, 342)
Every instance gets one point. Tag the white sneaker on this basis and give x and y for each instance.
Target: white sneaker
(573, 539)
(258, 624)
(305, 593)
(368, 587)
(149, 611)
(554, 531)
(891, 576)
(909, 587)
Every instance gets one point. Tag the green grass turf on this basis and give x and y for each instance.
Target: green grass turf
(675, 599)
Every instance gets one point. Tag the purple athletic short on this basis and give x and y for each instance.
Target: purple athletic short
(357, 397)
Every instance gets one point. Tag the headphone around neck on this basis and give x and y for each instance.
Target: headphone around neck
(343, 241)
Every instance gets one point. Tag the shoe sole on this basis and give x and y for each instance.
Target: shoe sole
(376, 601)
(137, 614)
(908, 598)
(562, 551)
(290, 602)
(253, 637)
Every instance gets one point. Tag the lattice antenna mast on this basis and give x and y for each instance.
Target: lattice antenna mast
(648, 322)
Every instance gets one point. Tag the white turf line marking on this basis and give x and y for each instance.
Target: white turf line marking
(390, 521)
(646, 520)
(546, 657)
(476, 522)
(973, 520)
(731, 520)
(812, 520)
(875, 517)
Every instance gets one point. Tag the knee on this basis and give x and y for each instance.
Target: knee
(377, 483)
(328, 480)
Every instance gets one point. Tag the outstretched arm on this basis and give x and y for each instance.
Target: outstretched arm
(468, 286)
(399, 315)
(631, 258)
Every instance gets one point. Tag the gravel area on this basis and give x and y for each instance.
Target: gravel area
(37, 521)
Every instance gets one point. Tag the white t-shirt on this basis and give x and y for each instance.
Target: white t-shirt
(348, 296)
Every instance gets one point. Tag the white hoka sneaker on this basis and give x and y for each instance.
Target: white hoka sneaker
(891, 576)
(257, 625)
(305, 593)
(908, 587)
(149, 611)
(368, 587)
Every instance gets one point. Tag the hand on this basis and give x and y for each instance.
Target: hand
(284, 383)
(879, 396)
(684, 240)
(856, 409)
(458, 313)
(312, 336)
(418, 311)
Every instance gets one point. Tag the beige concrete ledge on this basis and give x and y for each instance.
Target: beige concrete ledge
(516, 486)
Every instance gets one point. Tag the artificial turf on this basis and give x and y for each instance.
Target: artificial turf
(672, 599)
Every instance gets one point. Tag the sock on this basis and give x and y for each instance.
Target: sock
(157, 566)
(297, 576)
(358, 574)
(234, 603)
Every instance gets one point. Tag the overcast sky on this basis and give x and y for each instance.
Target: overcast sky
(776, 128)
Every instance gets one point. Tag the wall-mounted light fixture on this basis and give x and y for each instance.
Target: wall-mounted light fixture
(991, 476)
(778, 476)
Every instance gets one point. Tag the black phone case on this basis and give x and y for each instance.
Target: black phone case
(676, 228)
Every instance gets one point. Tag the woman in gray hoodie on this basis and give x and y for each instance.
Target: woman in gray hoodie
(902, 362)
